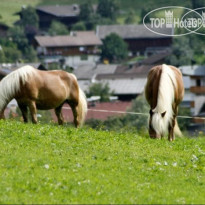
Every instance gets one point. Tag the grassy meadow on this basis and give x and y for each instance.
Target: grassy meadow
(50, 164)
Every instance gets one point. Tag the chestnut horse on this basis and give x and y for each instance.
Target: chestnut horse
(35, 89)
(164, 91)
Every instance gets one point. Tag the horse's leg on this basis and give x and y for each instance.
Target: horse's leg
(33, 111)
(2, 116)
(24, 112)
(75, 114)
(171, 136)
(59, 115)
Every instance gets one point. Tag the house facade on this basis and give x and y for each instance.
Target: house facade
(74, 49)
(194, 81)
(66, 14)
(126, 81)
(140, 40)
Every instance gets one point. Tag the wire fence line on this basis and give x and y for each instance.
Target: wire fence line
(137, 113)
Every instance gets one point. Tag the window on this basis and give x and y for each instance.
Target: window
(198, 82)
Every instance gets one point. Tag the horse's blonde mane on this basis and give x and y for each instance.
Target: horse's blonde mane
(165, 100)
(11, 83)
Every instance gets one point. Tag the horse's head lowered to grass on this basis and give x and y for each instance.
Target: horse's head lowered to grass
(164, 91)
(35, 89)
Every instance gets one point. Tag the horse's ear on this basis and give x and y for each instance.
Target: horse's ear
(163, 114)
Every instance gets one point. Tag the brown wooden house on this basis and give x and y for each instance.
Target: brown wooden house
(140, 40)
(76, 48)
(66, 14)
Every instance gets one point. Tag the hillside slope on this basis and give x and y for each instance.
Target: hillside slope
(53, 164)
(8, 9)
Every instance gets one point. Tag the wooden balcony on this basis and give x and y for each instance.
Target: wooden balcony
(197, 89)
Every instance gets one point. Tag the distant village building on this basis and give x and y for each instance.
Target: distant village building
(75, 49)
(194, 81)
(140, 40)
(66, 14)
(126, 81)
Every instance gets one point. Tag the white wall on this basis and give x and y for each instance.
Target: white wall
(75, 61)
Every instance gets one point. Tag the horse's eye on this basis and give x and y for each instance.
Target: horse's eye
(150, 112)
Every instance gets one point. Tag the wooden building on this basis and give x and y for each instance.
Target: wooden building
(140, 40)
(194, 81)
(66, 14)
(76, 48)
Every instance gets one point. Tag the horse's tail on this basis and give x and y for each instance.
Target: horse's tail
(177, 130)
(82, 107)
(11, 84)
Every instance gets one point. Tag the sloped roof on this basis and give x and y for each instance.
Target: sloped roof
(195, 70)
(88, 72)
(85, 72)
(126, 86)
(130, 31)
(83, 38)
(60, 10)
(155, 58)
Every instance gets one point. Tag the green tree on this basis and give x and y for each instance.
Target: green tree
(197, 3)
(58, 28)
(18, 36)
(79, 26)
(182, 53)
(184, 122)
(30, 54)
(96, 19)
(130, 18)
(99, 89)
(143, 13)
(114, 48)
(12, 55)
(9, 51)
(139, 105)
(29, 17)
(86, 11)
(107, 9)
(126, 122)
(2, 56)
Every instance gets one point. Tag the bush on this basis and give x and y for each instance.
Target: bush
(29, 17)
(99, 89)
(58, 28)
(80, 26)
(128, 122)
(107, 9)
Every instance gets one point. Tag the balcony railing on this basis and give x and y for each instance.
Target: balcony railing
(197, 89)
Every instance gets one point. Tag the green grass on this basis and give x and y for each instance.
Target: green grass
(53, 165)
